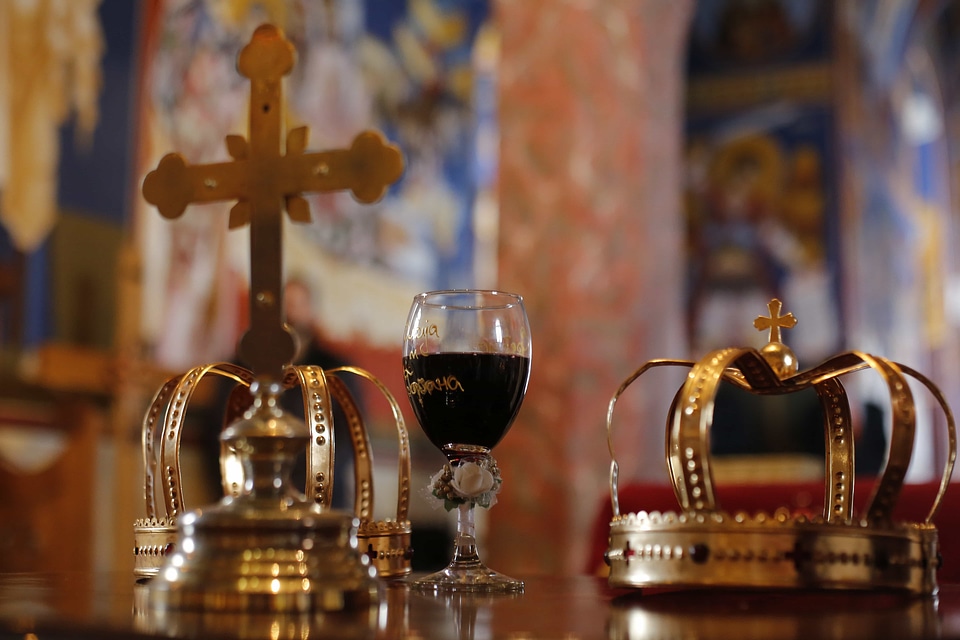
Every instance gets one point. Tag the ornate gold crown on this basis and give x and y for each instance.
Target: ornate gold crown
(266, 175)
(703, 545)
(385, 542)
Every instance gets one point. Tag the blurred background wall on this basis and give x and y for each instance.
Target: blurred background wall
(647, 173)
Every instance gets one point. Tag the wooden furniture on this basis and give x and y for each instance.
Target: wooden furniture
(11, 300)
(38, 505)
(84, 605)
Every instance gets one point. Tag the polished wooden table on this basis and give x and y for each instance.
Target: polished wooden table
(53, 606)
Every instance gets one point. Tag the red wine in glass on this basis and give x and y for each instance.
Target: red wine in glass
(466, 362)
(466, 398)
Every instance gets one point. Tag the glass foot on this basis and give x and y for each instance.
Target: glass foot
(475, 578)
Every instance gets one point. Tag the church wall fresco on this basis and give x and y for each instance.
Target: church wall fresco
(818, 172)
(403, 68)
(591, 121)
(760, 192)
(899, 232)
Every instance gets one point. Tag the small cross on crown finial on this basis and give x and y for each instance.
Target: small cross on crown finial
(774, 322)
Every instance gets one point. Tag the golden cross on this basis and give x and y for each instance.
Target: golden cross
(775, 321)
(264, 181)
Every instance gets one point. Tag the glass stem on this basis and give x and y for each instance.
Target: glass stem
(465, 550)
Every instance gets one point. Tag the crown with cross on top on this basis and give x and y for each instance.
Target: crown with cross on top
(844, 546)
(267, 175)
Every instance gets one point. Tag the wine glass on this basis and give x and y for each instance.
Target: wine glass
(466, 363)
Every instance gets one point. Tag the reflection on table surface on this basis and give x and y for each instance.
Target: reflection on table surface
(51, 606)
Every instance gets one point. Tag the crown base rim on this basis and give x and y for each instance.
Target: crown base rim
(390, 551)
(815, 556)
(386, 543)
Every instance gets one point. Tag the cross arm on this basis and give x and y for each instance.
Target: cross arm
(367, 168)
(774, 322)
(174, 184)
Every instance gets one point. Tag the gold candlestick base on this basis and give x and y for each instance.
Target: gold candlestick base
(268, 549)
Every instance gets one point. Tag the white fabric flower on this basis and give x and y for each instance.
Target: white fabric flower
(471, 483)
(471, 480)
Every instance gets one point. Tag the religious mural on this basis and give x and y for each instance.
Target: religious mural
(404, 68)
(761, 204)
(51, 79)
(758, 208)
(901, 231)
(736, 34)
(854, 237)
(947, 56)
